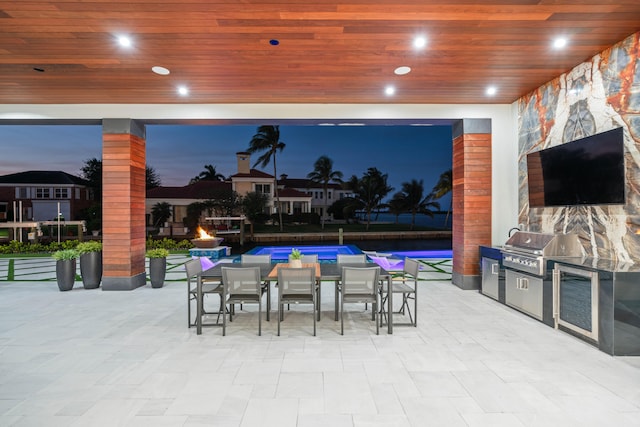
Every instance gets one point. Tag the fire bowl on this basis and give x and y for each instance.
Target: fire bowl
(207, 243)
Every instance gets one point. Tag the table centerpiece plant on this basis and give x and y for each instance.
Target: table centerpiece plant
(295, 258)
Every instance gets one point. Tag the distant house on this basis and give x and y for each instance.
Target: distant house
(181, 197)
(246, 180)
(40, 192)
(315, 191)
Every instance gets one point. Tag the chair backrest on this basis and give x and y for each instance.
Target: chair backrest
(241, 280)
(351, 259)
(299, 281)
(192, 267)
(255, 259)
(411, 267)
(360, 280)
(307, 258)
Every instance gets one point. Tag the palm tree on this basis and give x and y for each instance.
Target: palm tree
(369, 190)
(444, 186)
(211, 174)
(253, 205)
(160, 212)
(267, 139)
(323, 173)
(397, 205)
(412, 193)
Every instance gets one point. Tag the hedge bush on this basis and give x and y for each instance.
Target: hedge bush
(15, 247)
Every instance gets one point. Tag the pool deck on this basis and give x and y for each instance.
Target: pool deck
(94, 358)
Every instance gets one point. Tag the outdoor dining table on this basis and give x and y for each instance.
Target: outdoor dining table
(268, 272)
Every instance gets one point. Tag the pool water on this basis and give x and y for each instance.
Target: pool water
(328, 253)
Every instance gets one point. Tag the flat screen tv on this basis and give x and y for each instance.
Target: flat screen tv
(587, 171)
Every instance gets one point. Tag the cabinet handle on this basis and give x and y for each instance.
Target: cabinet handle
(494, 269)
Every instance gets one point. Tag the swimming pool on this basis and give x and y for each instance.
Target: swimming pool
(328, 253)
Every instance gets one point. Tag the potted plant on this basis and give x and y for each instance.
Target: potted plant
(295, 258)
(157, 266)
(65, 268)
(90, 263)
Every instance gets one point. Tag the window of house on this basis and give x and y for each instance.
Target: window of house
(22, 193)
(43, 193)
(263, 188)
(77, 194)
(61, 193)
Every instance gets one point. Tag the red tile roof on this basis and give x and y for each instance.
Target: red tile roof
(253, 173)
(198, 190)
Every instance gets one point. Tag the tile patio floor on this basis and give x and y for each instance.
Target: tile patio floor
(94, 358)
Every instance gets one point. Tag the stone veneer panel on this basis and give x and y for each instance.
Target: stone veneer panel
(123, 218)
(596, 96)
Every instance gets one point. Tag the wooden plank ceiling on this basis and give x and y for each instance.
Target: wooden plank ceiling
(330, 51)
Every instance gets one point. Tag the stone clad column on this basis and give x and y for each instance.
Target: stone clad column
(123, 199)
(471, 198)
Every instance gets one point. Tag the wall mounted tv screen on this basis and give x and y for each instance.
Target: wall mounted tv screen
(587, 171)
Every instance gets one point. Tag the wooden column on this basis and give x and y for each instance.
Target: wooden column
(123, 198)
(471, 198)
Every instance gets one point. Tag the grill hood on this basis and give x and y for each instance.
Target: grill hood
(541, 244)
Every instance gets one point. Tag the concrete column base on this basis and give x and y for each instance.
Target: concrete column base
(124, 283)
(467, 283)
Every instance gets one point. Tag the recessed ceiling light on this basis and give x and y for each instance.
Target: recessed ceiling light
(401, 71)
(560, 43)
(160, 70)
(350, 124)
(182, 90)
(124, 41)
(389, 90)
(491, 90)
(419, 42)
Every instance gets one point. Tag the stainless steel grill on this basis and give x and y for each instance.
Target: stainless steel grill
(526, 251)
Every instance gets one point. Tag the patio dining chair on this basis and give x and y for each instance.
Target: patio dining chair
(407, 286)
(242, 285)
(350, 259)
(255, 259)
(297, 286)
(192, 268)
(306, 259)
(359, 285)
(258, 259)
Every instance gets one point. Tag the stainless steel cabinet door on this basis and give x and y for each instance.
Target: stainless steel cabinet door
(490, 277)
(524, 292)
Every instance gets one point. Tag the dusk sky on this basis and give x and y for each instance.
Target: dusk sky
(178, 152)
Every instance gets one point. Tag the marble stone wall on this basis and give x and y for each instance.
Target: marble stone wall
(596, 96)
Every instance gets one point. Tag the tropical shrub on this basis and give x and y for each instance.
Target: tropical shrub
(90, 246)
(157, 253)
(65, 254)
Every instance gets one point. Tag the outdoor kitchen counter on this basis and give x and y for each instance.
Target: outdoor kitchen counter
(618, 290)
(618, 303)
(600, 264)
